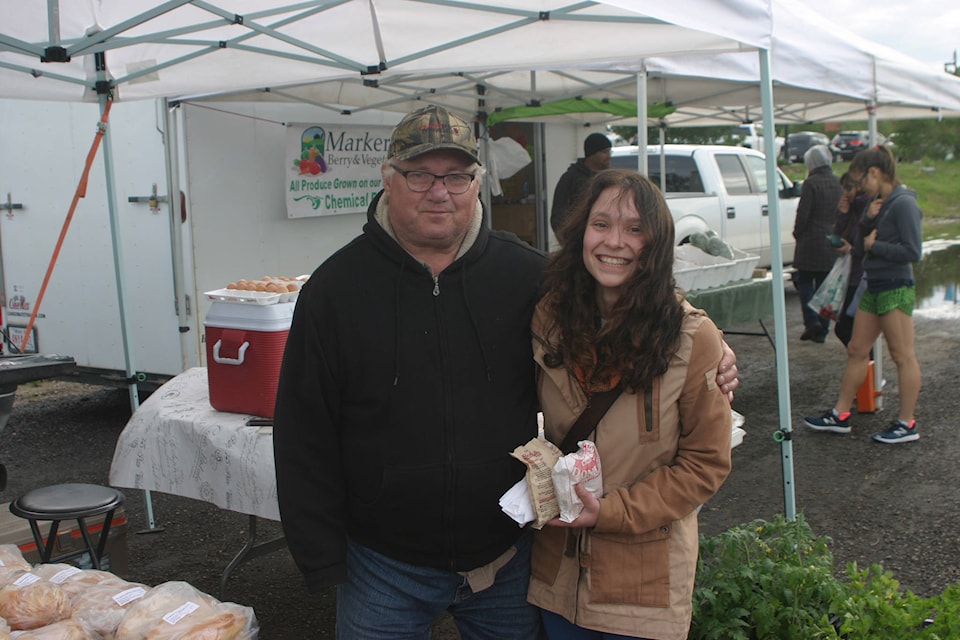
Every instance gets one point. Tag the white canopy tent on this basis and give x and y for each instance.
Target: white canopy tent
(819, 70)
(193, 47)
(132, 49)
(861, 78)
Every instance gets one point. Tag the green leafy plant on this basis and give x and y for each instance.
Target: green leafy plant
(764, 580)
(875, 607)
(776, 579)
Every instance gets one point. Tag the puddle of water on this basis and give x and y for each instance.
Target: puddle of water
(938, 275)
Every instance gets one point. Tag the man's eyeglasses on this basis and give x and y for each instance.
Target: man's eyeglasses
(420, 181)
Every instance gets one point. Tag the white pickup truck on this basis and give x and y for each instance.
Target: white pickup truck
(723, 189)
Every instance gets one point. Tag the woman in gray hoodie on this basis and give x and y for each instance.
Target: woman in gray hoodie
(890, 232)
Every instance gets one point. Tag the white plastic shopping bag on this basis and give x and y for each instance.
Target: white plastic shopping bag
(828, 299)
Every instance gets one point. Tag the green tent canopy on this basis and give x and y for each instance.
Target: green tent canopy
(622, 108)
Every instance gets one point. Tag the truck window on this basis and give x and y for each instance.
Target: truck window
(733, 173)
(759, 168)
(682, 174)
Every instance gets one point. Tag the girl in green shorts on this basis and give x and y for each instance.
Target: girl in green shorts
(890, 232)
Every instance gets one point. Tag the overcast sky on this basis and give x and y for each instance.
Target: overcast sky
(928, 30)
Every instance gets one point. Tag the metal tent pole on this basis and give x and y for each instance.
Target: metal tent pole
(784, 434)
(540, 190)
(108, 166)
(642, 160)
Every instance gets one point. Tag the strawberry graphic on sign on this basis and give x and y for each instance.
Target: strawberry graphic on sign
(311, 152)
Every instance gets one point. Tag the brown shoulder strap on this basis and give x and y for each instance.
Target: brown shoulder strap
(588, 420)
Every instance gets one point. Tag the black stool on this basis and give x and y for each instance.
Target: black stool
(68, 502)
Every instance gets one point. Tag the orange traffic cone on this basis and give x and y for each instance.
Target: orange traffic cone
(867, 394)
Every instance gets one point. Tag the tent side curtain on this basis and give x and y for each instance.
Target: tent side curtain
(622, 108)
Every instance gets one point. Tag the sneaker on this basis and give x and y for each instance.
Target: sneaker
(829, 421)
(897, 432)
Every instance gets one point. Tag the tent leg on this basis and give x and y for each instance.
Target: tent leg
(109, 170)
(540, 179)
(779, 303)
(642, 161)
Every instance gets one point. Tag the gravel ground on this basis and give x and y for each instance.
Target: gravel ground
(893, 505)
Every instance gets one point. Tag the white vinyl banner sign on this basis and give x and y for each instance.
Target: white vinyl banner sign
(333, 169)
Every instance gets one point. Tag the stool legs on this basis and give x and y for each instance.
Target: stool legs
(96, 551)
(102, 542)
(45, 549)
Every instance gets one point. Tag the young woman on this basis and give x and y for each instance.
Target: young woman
(610, 317)
(890, 233)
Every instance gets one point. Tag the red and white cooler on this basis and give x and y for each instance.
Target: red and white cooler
(244, 350)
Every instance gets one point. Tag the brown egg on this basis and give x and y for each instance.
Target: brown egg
(232, 285)
(292, 287)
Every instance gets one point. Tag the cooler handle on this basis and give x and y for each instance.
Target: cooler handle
(225, 360)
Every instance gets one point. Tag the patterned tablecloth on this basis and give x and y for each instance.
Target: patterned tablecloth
(177, 443)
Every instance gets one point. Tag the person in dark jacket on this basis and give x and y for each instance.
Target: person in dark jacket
(406, 381)
(407, 378)
(816, 215)
(572, 184)
(847, 227)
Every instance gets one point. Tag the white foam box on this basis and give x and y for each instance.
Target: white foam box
(695, 269)
(244, 347)
(116, 556)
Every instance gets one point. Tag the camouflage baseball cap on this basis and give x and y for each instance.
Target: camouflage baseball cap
(429, 129)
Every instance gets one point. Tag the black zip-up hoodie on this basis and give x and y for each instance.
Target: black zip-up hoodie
(400, 399)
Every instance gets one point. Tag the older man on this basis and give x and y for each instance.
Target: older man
(407, 379)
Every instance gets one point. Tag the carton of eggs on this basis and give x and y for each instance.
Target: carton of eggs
(266, 290)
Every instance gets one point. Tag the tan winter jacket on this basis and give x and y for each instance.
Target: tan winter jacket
(633, 573)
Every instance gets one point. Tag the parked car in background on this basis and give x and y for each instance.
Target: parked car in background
(750, 135)
(850, 143)
(798, 143)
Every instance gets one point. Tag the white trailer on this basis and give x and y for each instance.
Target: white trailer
(227, 164)
(43, 150)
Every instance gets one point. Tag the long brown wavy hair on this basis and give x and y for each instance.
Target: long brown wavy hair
(640, 336)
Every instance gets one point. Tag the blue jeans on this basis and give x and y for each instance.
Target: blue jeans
(385, 599)
(807, 284)
(558, 628)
